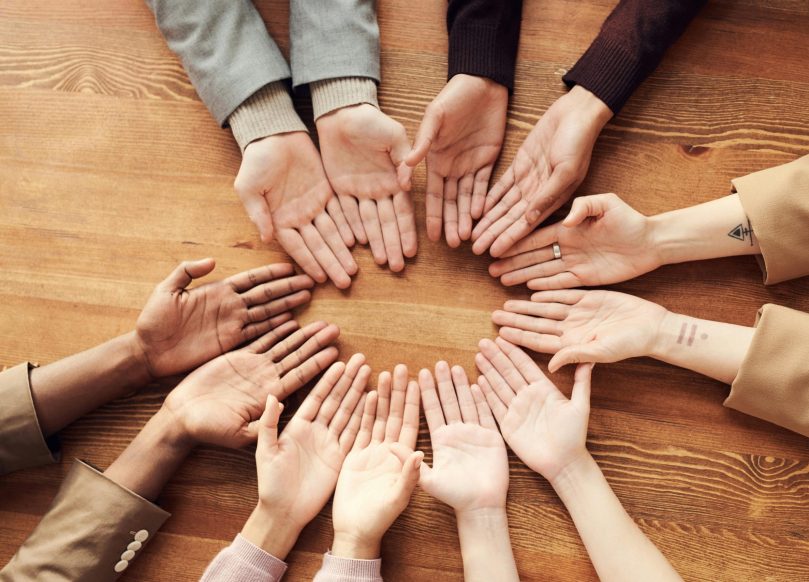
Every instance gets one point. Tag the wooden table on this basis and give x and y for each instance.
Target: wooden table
(112, 171)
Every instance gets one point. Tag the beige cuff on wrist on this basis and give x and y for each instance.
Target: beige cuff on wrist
(266, 112)
(332, 94)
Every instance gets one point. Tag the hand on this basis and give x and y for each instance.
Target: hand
(362, 148)
(545, 429)
(461, 136)
(603, 240)
(298, 470)
(220, 403)
(285, 191)
(465, 442)
(181, 328)
(380, 472)
(583, 326)
(549, 166)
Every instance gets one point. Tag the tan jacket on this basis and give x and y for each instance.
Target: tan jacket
(773, 381)
(93, 528)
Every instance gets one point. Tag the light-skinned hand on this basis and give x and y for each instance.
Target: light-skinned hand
(460, 135)
(603, 240)
(583, 326)
(285, 192)
(549, 166)
(363, 150)
(220, 403)
(380, 472)
(545, 429)
(181, 327)
(466, 444)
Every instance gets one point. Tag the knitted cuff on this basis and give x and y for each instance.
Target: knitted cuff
(608, 71)
(481, 51)
(332, 94)
(351, 569)
(266, 112)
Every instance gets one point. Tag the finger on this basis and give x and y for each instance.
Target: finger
(451, 213)
(548, 310)
(290, 342)
(498, 409)
(514, 270)
(325, 257)
(306, 371)
(399, 147)
(565, 296)
(333, 398)
(184, 273)
(493, 223)
(484, 412)
(254, 330)
(350, 400)
(500, 189)
(382, 406)
(538, 342)
(525, 365)
(554, 192)
(370, 221)
(465, 185)
(481, 185)
(318, 342)
(276, 272)
(591, 352)
(406, 221)
(517, 229)
(351, 211)
(505, 367)
(409, 477)
(268, 425)
(429, 399)
(334, 210)
(311, 405)
(541, 238)
(410, 420)
(275, 289)
(366, 427)
(273, 308)
(504, 392)
(446, 392)
(428, 130)
(258, 211)
(293, 244)
(526, 322)
(363, 413)
(404, 176)
(397, 403)
(328, 230)
(434, 204)
(566, 280)
(466, 403)
(580, 396)
(271, 338)
(538, 271)
(390, 234)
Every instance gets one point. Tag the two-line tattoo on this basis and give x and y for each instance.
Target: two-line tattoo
(687, 335)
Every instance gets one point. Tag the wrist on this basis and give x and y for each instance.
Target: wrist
(668, 242)
(573, 476)
(355, 545)
(271, 530)
(590, 106)
(138, 357)
(668, 332)
(481, 517)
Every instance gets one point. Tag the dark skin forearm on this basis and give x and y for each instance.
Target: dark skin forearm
(70, 388)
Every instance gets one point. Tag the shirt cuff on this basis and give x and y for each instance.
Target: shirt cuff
(332, 94)
(268, 111)
(243, 560)
(336, 569)
(481, 51)
(774, 375)
(22, 444)
(776, 201)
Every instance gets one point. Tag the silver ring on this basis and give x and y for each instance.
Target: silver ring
(557, 252)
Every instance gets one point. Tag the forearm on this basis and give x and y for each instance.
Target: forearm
(272, 530)
(67, 389)
(485, 545)
(152, 457)
(711, 348)
(719, 228)
(617, 547)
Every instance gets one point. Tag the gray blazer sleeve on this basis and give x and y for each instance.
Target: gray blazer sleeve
(224, 47)
(333, 38)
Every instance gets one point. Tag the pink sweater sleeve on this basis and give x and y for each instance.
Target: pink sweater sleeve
(242, 561)
(336, 569)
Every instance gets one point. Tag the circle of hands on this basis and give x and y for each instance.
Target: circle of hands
(361, 444)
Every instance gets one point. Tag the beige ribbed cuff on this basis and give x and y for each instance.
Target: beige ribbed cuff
(266, 112)
(334, 94)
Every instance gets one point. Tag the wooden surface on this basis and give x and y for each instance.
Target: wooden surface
(112, 171)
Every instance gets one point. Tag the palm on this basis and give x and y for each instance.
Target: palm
(461, 454)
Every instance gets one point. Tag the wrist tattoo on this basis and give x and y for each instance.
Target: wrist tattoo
(687, 335)
(739, 232)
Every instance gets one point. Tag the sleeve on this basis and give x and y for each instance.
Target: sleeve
(22, 444)
(243, 561)
(92, 531)
(336, 569)
(773, 381)
(225, 48)
(776, 201)
(629, 46)
(483, 39)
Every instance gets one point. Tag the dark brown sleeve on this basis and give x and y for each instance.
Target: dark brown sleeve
(631, 43)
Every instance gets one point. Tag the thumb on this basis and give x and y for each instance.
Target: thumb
(585, 207)
(268, 423)
(581, 386)
(185, 272)
(259, 213)
(589, 352)
(426, 476)
(552, 194)
(409, 477)
(428, 130)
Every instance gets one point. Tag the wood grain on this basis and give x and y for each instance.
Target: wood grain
(111, 171)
